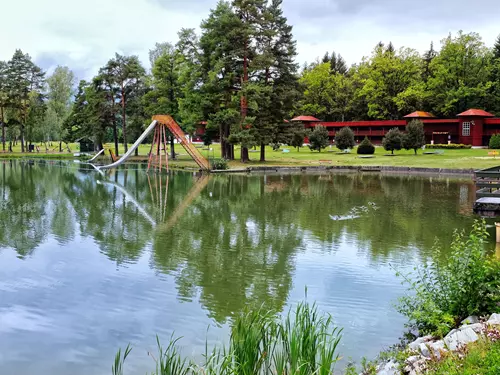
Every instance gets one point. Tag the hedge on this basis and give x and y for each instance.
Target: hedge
(453, 146)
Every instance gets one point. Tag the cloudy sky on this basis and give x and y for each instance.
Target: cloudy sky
(85, 34)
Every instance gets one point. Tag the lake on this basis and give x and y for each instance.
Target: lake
(90, 263)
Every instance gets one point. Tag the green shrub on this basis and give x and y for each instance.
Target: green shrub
(452, 146)
(393, 140)
(441, 296)
(495, 141)
(344, 138)
(219, 164)
(414, 138)
(318, 139)
(366, 147)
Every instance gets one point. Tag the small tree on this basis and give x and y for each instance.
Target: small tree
(344, 138)
(393, 140)
(318, 139)
(299, 133)
(366, 147)
(495, 141)
(415, 136)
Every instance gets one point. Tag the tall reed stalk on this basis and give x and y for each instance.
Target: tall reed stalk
(304, 342)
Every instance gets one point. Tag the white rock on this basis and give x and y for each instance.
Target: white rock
(494, 319)
(432, 349)
(414, 358)
(471, 320)
(390, 368)
(476, 327)
(416, 344)
(455, 338)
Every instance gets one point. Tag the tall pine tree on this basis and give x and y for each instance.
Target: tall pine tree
(23, 78)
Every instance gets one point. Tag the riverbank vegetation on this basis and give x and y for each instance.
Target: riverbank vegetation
(239, 75)
(443, 294)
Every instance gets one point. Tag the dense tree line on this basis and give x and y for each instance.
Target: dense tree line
(392, 83)
(240, 76)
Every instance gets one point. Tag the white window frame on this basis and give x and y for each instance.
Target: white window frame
(466, 125)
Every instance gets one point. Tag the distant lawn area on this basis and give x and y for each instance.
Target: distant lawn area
(453, 159)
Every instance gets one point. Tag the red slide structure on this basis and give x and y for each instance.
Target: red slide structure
(175, 129)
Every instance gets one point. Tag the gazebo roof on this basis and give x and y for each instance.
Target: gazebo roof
(420, 114)
(306, 119)
(475, 112)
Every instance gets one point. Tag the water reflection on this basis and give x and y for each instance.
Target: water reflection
(223, 242)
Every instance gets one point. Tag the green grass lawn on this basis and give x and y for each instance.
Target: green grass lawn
(462, 159)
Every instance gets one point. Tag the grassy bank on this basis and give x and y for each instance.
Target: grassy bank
(451, 159)
(481, 358)
(472, 158)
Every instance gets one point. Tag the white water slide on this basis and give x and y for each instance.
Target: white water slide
(131, 150)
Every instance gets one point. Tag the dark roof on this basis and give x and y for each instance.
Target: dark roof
(420, 114)
(475, 112)
(306, 119)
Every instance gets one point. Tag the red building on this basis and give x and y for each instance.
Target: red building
(473, 127)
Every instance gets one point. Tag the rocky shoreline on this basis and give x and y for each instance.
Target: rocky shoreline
(428, 348)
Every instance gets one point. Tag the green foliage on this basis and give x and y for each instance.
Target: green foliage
(318, 138)
(468, 283)
(414, 138)
(117, 368)
(219, 164)
(344, 139)
(459, 75)
(451, 146)
(393, 140)
(495, 141)
(366, 147)
(482, 358)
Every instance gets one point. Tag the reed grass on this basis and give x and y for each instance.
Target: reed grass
(303, 342)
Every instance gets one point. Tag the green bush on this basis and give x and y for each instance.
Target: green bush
(393, 140)
(452, 146)
(414, 138)
(318, 139)
(441, 296)
(366, 147)
(219, 164)
(495, 141)
(344, 139)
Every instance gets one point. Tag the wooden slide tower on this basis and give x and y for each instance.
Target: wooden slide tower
(158, 155)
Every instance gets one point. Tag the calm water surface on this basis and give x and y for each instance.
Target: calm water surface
(90, 263)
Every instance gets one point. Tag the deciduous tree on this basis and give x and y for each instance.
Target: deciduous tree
(60, 94)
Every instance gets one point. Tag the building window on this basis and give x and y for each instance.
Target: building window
(466, 129)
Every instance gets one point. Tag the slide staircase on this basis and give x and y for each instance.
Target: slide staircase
(175, 129)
